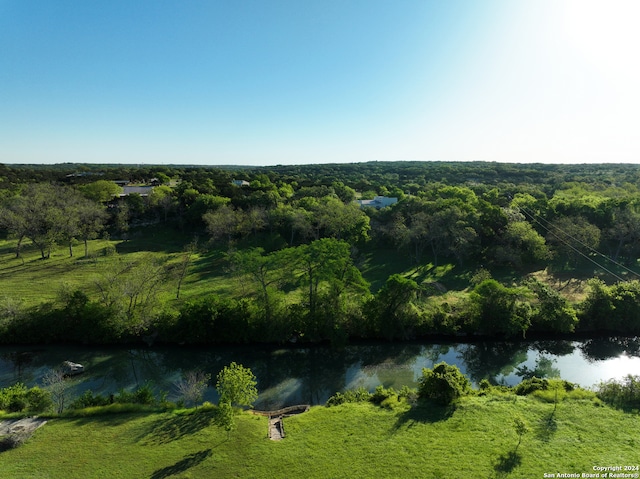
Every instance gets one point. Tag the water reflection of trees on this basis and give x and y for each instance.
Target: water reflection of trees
(544, 368)
(291, 375)
(599, 349)
(553, 347)
(488, 360)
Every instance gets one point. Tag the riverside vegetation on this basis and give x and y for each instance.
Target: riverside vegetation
(444, 429)
(476, 249)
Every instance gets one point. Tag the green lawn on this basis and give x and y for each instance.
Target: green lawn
(32, 280)
(477, 440)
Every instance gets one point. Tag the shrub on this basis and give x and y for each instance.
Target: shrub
(39, 399)
(443, 384)
(87, 399)
(624, 393)
(350, 396)
(142, 395)
(380, 394)
(18, 398)
(410, 395)
(530, 385)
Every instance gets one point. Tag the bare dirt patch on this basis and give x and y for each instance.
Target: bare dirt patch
(14, 432)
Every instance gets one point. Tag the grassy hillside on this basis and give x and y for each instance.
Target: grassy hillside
(34, 280)
(352, 440)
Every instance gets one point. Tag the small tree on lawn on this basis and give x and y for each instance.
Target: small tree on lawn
(237, 385)
(192, 386)
(521, 429)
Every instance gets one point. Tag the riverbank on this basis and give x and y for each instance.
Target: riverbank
(288, 376)
(477, 439)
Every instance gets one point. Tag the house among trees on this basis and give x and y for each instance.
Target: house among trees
(141, 190)
(240, 183)
(378, 202)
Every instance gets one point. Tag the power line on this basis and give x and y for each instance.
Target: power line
(533, 217)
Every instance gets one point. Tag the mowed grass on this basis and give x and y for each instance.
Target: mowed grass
(477, 439)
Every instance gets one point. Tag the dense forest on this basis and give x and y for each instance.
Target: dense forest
(201, 255)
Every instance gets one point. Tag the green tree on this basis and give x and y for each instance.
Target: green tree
(236, 385)
(199, 204)
(100, 191)
(551, 311)
(162, 199)
(327, 270)
(91, 221)
(499, 309)
(226, 221)
(184, 263)
(520, 244)
(572, 237)
(130, 290)
(443, 384)
(267, 272)
(521, 429)
(37, 214)
(392, 305)
(624, 233)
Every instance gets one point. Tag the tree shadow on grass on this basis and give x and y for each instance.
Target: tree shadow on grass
(424, 412)
(176, 426)
(506, 463)
(108, 418)
(181, 466)
(547, 427)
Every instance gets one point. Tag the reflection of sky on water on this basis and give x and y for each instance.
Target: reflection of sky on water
(311, 375)
(577, 369)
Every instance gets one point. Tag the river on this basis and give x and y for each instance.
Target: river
(288, 376)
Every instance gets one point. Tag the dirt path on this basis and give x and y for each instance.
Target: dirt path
(276, 432)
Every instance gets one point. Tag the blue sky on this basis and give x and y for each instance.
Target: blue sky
(298, 81)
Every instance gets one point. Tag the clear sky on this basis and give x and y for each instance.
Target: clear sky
(264, 82)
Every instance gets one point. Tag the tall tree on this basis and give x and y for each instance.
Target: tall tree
(327, 272)
(226, 221)
(266, 271)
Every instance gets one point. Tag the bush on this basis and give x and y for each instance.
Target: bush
(18, 398)
(443, 384)
(528, 386)
(39, 399)
(381, 394)
(87, 399)
(624, 393)
(531, 385)
(142, 395)
(350, 396)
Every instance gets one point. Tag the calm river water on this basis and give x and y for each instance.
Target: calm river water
(290, 376)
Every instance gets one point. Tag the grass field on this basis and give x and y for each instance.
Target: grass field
(476, 440)
(31, 280)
